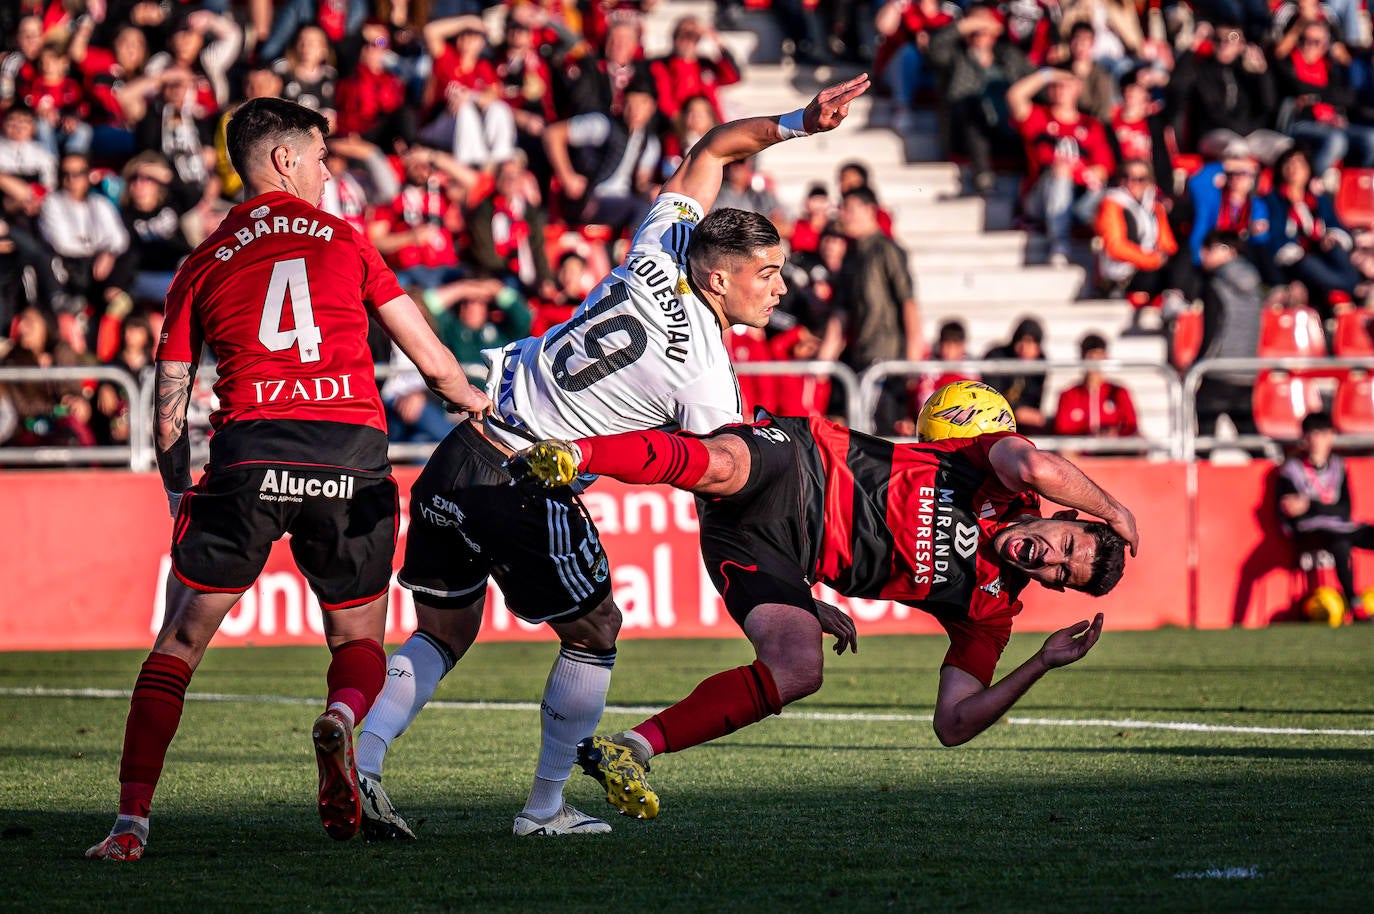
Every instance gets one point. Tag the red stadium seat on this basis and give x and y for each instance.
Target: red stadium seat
(1353, 411)
(1291, 332)
(1186, 342)
(1353, 334)
(1355, 199)
(1281, 400)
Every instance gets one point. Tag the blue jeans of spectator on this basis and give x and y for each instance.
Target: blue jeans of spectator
(296, 13)
(906, 75)
(60, 142)
(429, 427)
(1324, 272)
(428, 277)
(1059, 201)
(150, 286)
(1334, 145)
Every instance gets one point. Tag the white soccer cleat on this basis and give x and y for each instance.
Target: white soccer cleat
(381, 821)
(567, 821)
(122, 848)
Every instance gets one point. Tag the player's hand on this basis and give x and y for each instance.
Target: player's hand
(472, 401)
(1070, 644)
(834, 622)
(829, 109)
(1124, 523)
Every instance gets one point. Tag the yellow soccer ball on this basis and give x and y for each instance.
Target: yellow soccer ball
(964, 409)
(1324, 604)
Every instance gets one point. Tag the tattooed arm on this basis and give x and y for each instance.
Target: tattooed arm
(174, 381)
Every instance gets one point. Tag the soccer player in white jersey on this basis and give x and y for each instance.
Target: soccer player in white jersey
(644, 350)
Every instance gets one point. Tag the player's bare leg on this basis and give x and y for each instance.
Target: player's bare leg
(574, 699)
(155, 711)
(442, 636)
(357, 671)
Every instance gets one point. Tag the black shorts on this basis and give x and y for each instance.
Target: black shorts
(342, 525)
(468, 522)
(755, 543)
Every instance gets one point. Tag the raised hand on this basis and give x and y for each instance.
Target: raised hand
(1070, 644)
(830, 107)
(834, 622)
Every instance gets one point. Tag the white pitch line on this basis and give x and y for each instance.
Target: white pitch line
(524, 706)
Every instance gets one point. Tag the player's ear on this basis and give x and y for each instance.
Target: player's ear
(1068, 514)
(718, 281)
(281, 158)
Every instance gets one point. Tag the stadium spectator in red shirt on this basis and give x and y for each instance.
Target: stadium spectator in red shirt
(853, 175)
(789, 502)
(1095, 406)
(1069, 153)
(526, 78)
(694, 120)
(805, 237)
(1138, 124)
(299, 448)
(60, 104)
(119, 89)
(20, 66)
(951, 345)
(372, 101)
(601, 84)
(507, 230)
(698, 65)
(466, 111)
(906, 27)
(1323, 101)
(418, 232)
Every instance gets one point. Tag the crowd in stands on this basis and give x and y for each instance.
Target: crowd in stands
(1199, 150)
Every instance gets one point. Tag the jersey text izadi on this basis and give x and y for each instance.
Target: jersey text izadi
(664, 291)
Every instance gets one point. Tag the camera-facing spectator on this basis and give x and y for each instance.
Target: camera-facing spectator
(20, 66)
(1307, 241)
(1098, 97)
(152, 218)
(1139, 126)
(110, 417)
(526, 79)
(466, 111)
(1323, 101)
(804, 237)
(42, 412)
(372, 100)
(507, 230)
(307, 71)
(1232, 88)
(1138, 245)
(178, 128)
(602, 84)
(21, 154)
(1117, 35)
(119, 88)
(1025, 391)
(1070, 155)
(340, 20)
(698, 65)
(607, 164)
(208, 45)
(693, 121)
(951, 345)
(978, 65)
(417, 232)
(59, 103)
(1095, 406)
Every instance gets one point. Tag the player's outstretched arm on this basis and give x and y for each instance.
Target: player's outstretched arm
(699, 176)
(1020, 465)
(964, 707)
(403, 322)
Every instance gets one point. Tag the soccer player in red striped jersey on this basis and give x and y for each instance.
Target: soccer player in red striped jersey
(949, 527)
(280, 293)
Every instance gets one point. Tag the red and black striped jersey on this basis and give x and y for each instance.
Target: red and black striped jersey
(914, 523)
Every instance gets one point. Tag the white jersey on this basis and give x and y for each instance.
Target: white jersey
(641, 351)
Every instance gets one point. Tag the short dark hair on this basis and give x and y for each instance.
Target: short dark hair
(860, 167)
(1109, 561)
(265, 123)
(1081, 26)
(863, 193)
(1091, 343)
(727, 233)
(952, 332)
(1317, 422)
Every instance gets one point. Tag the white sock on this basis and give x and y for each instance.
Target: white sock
(412, 675)
(574, 698)
(345, 712)
(639, 746)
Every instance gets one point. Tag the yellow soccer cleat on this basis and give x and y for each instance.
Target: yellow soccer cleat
(551, 463)
(615, 767)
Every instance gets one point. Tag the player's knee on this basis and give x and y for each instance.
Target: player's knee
(728, 469)
(798, 678)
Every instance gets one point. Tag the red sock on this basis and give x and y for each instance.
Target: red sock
(154, 713)
(645, 458)
(719, 705)
(356, 675)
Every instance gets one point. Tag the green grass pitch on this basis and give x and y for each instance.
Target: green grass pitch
(830, 809)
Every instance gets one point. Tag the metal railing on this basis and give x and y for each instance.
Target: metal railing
(132, 455)
(835, 371)
(1192, 442)
(1168, 445)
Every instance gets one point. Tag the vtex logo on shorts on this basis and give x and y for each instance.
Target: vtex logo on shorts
(280, 485)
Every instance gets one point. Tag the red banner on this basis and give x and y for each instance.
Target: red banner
(84, 560)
